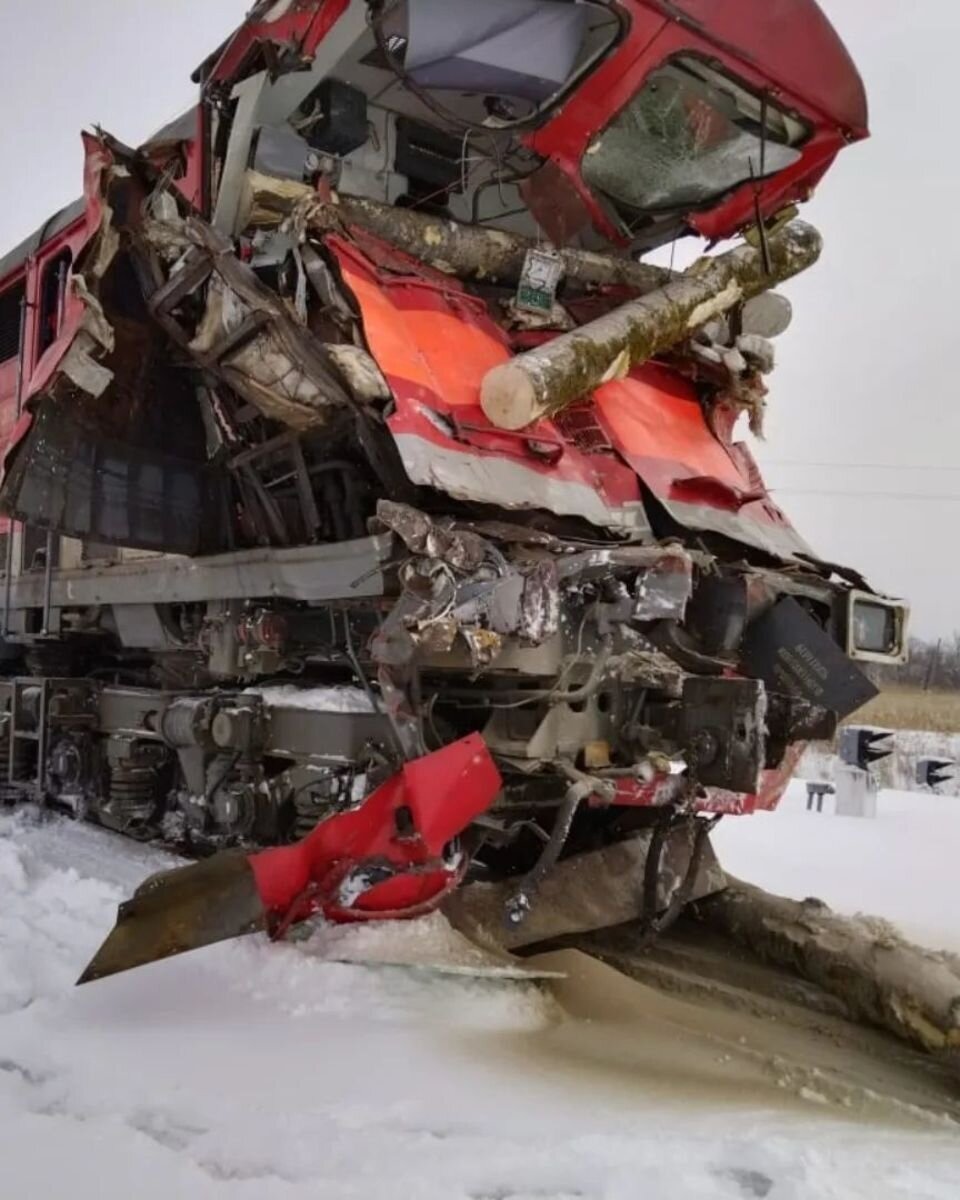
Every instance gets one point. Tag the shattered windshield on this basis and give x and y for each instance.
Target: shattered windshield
(690, 135)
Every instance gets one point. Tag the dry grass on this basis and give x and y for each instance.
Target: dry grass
(912, 708)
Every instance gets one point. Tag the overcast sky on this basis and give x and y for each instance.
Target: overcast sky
(866, 378)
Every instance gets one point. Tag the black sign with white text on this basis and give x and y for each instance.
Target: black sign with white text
(788, 650)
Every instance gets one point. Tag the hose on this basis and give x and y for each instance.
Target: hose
(586, 690)
(652, 925)
(581, 786)
(372, 696)
(577, 695)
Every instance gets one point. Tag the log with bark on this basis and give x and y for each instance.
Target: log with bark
(881, 978)
(470, 252)
(546, 380)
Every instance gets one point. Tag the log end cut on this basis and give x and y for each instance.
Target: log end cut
(509, 398)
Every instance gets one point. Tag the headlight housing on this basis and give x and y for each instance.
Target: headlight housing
(876, 628)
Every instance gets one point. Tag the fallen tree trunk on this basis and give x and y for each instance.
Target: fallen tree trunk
(881, 978)
(466, 251)
(546, 380)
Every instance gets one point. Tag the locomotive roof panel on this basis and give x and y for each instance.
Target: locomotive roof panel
(16, 257)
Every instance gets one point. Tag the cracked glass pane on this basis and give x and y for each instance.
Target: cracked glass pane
(689, 136)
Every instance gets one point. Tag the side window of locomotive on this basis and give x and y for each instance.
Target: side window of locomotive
(11, 313)
(53, 295)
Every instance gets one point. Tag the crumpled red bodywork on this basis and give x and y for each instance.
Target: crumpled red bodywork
(644, 458)
(389, 857)
(393, 856)
(786, 48)
(39, 367)
(435, 342)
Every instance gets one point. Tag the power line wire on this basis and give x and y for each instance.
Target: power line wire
(845, 466)
(928, 496)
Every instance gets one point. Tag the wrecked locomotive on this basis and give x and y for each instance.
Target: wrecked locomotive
(375, 523)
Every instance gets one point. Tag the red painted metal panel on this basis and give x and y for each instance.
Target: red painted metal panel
(401, 830)
(786, 48)
(656, 422)
(434, 342)
(786, 63)
(773, 785)
(299, 31)
(791, 41)
(38, 368)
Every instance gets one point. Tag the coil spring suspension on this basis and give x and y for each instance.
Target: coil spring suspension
(133, 799)
(24, 766)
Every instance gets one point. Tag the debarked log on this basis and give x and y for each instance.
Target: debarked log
(880, 977)
(470, 252)
(546, 380)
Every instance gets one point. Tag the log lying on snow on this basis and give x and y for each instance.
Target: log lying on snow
(881, 978)
(467, 251)
(544, 381)
(586, 892)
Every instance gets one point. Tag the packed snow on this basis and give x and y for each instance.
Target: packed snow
(898, 771)
(902, 865)
(274, 1072)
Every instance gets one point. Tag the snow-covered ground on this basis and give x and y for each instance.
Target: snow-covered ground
(899, 770)
(903, 865)
(275, 1073)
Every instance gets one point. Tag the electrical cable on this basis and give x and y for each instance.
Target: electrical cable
(849, 466)
(948, 497)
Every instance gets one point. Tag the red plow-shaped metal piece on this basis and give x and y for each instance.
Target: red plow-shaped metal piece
(395, 856)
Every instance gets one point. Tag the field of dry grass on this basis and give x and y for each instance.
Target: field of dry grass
(912, 708)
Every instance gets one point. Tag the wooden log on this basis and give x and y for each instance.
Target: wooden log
(585, 892)
(546, 380)
(470, 252)
(881, 978)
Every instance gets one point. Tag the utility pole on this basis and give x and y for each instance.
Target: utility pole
(933, 666)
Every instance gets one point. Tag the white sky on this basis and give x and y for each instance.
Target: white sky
(863, 374)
